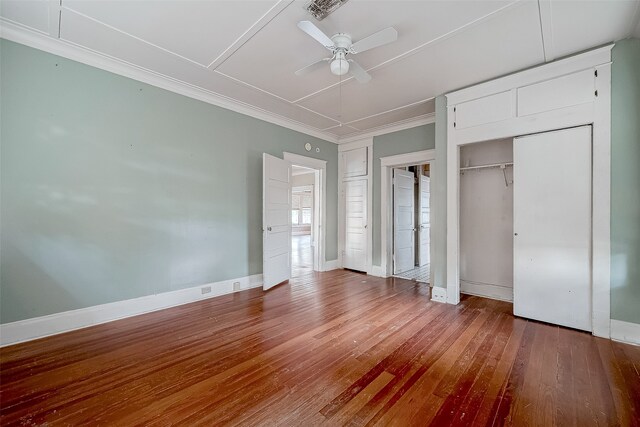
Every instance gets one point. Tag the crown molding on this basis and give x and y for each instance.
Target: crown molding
(390, 128)
(23, 35)
(19, 34)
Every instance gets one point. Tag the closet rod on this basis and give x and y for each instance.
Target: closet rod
(494, 165)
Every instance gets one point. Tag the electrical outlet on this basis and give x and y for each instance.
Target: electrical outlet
(205, 290)
(236, 286)
(438, 294)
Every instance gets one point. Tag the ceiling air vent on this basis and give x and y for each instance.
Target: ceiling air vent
(320, 9)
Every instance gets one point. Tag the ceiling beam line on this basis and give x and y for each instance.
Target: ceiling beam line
(546, 29)
(248, 35)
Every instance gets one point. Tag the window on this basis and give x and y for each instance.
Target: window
(306, 216)
(301, 203)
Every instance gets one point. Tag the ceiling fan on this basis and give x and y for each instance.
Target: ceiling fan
(340, 45)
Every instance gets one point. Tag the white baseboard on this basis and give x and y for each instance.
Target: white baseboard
(378, 271)
(626, 332)
(486, 290)
(39, 327)
(334, 264)
(439, 294)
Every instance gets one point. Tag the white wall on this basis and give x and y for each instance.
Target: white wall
(486, 221)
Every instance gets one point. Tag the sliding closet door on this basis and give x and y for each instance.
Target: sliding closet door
(552, 227)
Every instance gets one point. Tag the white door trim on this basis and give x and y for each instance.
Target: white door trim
(596, 112)
(386, 202)
(320, 204)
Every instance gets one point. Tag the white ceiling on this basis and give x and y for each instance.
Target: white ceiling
(246, 52)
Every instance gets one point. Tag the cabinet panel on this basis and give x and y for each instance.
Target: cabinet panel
(489, 109)
(565, 91)
(354, 162)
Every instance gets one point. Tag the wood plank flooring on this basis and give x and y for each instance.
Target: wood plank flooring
(301, 255)
(336, 348)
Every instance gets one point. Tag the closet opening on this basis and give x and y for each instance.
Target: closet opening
(412, 222)
(486, 219)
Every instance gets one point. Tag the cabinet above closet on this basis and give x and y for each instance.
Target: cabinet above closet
(354, 162)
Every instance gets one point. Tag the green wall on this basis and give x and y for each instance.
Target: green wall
(113, 189)
(625, 181)
(401, 142)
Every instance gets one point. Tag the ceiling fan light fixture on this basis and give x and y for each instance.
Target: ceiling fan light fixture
(340, 65)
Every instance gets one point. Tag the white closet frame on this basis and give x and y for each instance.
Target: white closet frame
(571, 92)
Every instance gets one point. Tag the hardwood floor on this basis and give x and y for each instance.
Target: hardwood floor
(336, 348)
(301, 255)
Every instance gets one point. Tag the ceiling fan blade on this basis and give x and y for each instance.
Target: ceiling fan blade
(311, 67)
(358, 72)
(380, 38)
(316, 33)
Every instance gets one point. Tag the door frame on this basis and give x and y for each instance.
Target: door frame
(319, 204)
(596, 112)
(387, 164)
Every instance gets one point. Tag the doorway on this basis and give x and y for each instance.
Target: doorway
(387, 167)
(412, 222)
(308, 198)
(302, 218)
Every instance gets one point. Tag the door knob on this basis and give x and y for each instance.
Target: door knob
(268, 228)
(515, 234)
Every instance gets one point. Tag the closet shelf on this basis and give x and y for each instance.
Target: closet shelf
(493, 165)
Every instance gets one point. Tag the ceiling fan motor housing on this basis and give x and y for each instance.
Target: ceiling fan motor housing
(342, 44)
(342, 41)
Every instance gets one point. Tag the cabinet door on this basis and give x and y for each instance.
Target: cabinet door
(354, 162)
(552, 227)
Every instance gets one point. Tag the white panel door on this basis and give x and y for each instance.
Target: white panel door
(403, 221)
(276, 221)
(355, 236)
(552, 227)
(424, 230)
